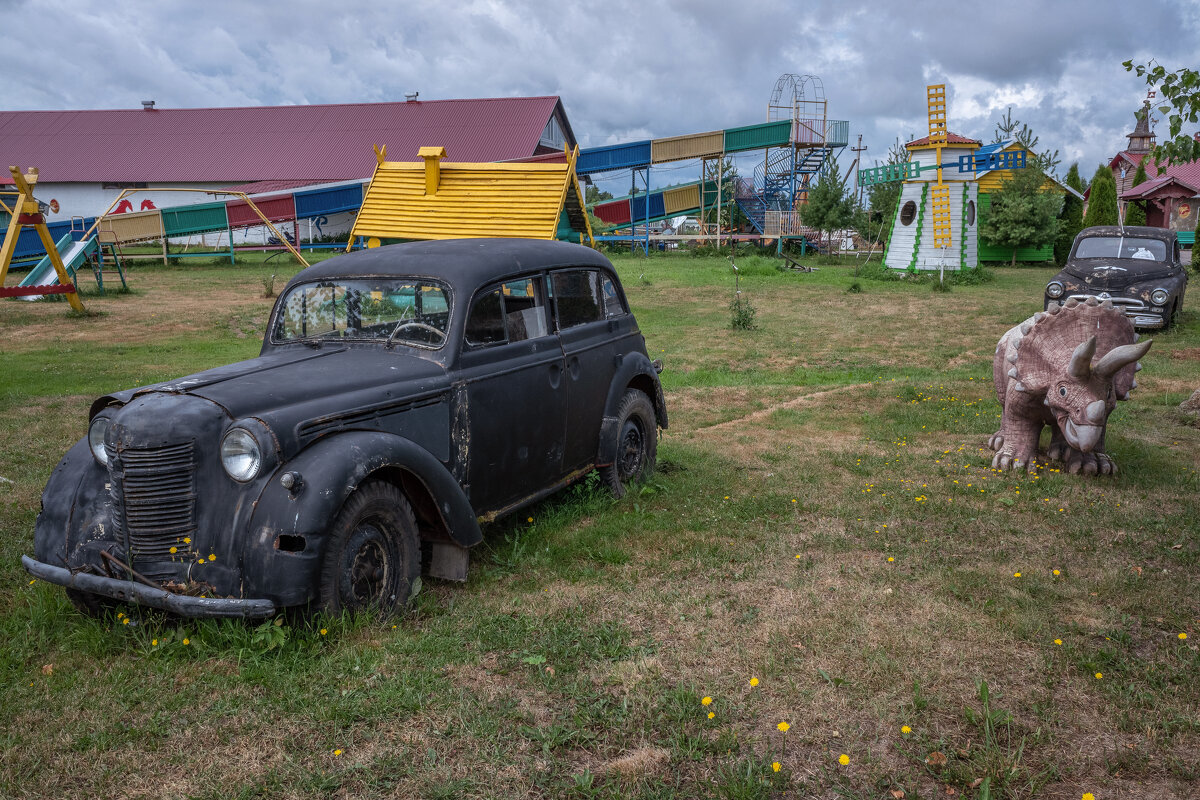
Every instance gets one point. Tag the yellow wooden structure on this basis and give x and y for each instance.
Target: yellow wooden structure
(25, 213)
(991, 181)
(942, 224)
(436, 199)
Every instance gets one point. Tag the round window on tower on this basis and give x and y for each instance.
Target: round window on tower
(970, 212)
(908, 212)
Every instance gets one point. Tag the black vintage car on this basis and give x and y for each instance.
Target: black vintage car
(403, 396)
(1137, 268)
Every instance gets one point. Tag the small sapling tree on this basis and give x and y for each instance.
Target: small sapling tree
(830, 207)
(1135, 211)
(1022, 214)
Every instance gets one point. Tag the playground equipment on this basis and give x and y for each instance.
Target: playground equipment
(935, 202)
(797, 140)
(26, 212)
(432, 199)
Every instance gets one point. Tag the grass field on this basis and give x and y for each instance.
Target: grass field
(825, 591)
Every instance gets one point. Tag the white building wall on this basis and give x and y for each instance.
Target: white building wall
(904, 239)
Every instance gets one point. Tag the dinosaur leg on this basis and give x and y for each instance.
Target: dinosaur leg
(1018, 437)
(1097, 462)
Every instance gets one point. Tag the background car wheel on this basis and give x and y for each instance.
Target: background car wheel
(92, 605)
(373, 556)
(637, 443)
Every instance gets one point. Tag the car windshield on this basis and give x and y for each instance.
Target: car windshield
(1121, 247)
(401, 310)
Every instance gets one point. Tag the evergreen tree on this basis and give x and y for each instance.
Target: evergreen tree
(1070, 219)
(830, 207)
(1102, 201)
(1135, 211)
(1022, 215)
(874, 222)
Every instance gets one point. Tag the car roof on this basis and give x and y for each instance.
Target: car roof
(1142, 231)
(464, 263)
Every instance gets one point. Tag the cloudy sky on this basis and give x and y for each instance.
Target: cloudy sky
(625, 70)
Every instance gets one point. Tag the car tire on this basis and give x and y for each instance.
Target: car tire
(373, 556)
(636, 445)
(96, 606)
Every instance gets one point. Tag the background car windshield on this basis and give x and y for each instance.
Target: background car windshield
(1121, 247)
(416, 312)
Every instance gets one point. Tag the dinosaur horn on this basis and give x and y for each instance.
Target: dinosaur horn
(1119, 357)
(1081, 360)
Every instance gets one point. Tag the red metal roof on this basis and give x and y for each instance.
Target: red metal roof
(1184, 174)
(951, 138)
(277, 143)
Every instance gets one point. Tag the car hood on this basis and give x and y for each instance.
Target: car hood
(301, 377)
(1116, 273)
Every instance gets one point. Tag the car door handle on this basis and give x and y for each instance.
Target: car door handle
(555, 375)
(573, 367)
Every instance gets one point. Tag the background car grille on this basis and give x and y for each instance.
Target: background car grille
(158, 501)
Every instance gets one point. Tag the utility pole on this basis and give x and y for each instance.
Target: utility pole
(856, 151)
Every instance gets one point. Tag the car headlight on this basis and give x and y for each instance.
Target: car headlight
(1054, 289)
(240, 454)
(96, 433)
(1159, 297)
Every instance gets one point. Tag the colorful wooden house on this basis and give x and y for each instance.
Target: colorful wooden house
(989, 184)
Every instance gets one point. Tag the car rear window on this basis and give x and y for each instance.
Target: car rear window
(1122, 247)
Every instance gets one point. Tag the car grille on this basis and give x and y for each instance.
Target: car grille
(1126, 304)
(156, 493)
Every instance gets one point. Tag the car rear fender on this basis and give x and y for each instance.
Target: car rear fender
(634, 372)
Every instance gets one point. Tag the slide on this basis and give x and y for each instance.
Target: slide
(73, 256)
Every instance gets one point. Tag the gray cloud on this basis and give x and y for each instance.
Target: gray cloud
(624, 69)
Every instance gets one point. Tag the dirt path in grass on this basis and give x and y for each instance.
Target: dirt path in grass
(765, 413)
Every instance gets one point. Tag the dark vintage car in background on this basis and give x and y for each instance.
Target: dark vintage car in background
(1137, 268)
(402, 396)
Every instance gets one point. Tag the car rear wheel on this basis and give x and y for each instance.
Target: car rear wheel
(373, 557)
(637, 443)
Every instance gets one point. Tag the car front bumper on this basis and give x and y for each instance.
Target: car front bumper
(140, 593)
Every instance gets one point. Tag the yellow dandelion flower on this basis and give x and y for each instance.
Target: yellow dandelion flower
(726, 497)
(324, 631)
(754, 681)
(174, 550)
(1016, 574)
(187, 641)
(1089, 796)
(706, 701)
(1099, 675)
(843, 759)
(793, 500)
(712, 714)
(775, 766)
(125, 621)
(891, 558)
(32, 582)
(1058, 641)
(1183, 636)
(187, 540)
(154, 642)
(783, 726)
(905, 730)
(797, 555)
(529, 519)
(337, 752)
(1057, 573)
(212, 556)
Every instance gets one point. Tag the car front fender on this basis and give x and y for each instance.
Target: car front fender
(288, 530)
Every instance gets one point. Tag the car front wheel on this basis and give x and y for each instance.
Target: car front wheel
(637, 443)
(373, 556)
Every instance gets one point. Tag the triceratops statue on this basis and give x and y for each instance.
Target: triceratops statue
(1065, 368)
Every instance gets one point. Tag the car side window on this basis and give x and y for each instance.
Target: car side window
(613, 307)
(511, 312)
(578, 298)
